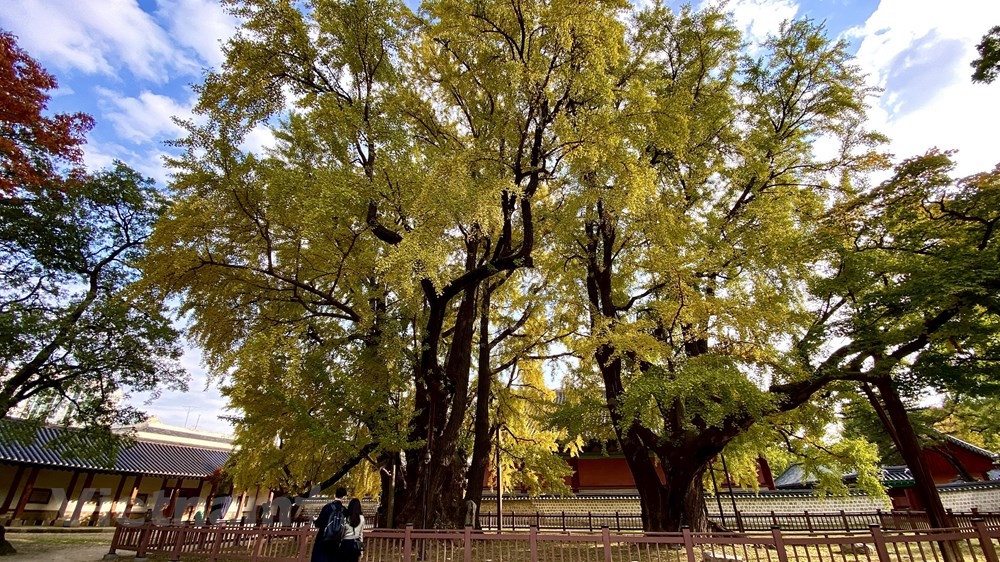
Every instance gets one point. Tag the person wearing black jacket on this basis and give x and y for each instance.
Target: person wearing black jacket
(323, 552)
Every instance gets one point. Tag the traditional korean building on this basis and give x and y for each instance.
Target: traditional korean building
(167, 467)
(951, 462)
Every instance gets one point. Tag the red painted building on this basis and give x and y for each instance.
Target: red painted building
(597, 474)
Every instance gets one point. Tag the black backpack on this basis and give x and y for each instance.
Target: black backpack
(336, 526)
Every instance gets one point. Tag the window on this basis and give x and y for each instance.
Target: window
(40, 495)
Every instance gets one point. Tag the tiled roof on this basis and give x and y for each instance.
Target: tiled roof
(791, 478)
(891, 476)
(897, 476)
(143, 457)
(794, 477)
(970, 447)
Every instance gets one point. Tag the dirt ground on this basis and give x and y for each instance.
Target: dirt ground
(50, 547)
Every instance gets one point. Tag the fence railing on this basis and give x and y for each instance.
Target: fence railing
(979, 543)
(741, 522)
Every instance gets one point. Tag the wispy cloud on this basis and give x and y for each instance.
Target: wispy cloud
(145, 118)
(97, 37)
(199, 407)
(918, 52)
(201, 25)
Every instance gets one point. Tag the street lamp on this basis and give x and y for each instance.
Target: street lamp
(499, 485)
(427, 478)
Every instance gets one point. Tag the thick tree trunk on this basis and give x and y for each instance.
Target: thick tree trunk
(685, 497)
(671, 503)
(481, 424)
(666, 506)
(434, 489)
(912, 453)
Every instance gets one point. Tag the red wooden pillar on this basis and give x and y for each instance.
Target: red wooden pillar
(208, 501)
(239, 509)
(61, 514)
(131, 499)
(29, 486)
(80, 500)
(115, 499)
(13, 489)
(173, 497)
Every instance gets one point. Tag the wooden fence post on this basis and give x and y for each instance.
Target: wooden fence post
(304, 551)
(847, 524)
(779, 544)
(985, 542)
(258, 545)
(688, 542)
(216, 543)
(407, 547)
(809, 523)
(605, 538)
(115, 539)
(533, 544)
(140, 550)
(178, 544)
(467, 539)
(880, 548)
(564, 521)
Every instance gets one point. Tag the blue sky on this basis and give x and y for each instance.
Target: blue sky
(130, 64)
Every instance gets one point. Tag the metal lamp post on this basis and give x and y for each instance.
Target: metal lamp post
(427, 483)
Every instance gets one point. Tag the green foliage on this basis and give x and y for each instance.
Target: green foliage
(919, 270)
(861, 422)
(988, 63)
(73, 332)
(972, 419)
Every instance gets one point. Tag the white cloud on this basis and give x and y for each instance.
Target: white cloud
(760, 18)
(919, 51)
(96, 36)
(258, 140)
(201, 25)
(146, 118)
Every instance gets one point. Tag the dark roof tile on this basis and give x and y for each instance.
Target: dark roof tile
(145, 457)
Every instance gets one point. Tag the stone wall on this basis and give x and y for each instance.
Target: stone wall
(960, 498)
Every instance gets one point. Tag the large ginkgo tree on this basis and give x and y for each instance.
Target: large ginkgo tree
(455, 197)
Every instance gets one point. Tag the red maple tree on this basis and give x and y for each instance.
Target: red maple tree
(35, 150)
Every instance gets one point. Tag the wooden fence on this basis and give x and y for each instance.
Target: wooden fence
(741, 522)
(978, 543)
